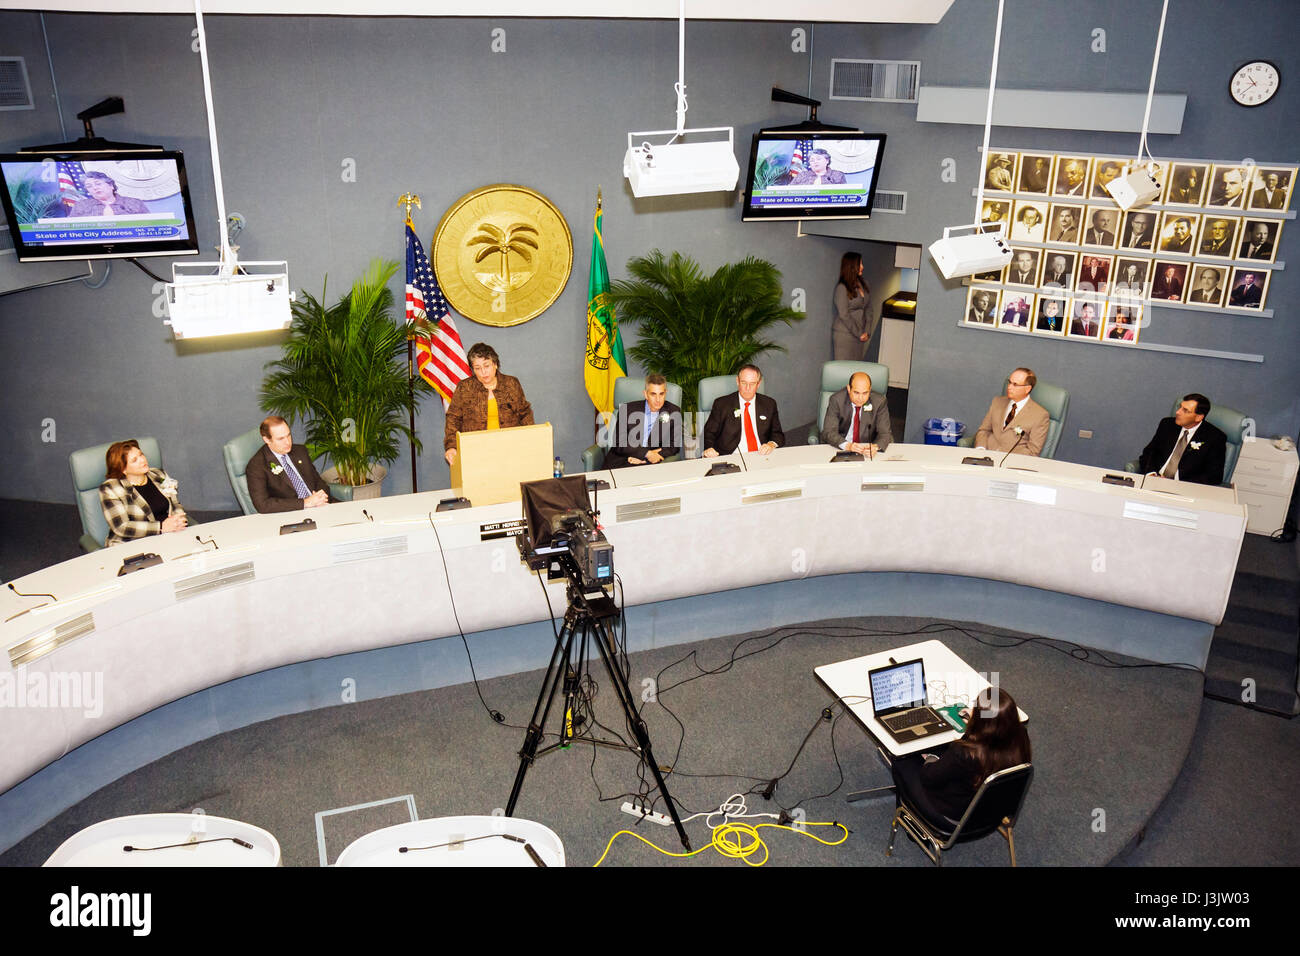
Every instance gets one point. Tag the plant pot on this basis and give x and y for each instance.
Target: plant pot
(374, 488)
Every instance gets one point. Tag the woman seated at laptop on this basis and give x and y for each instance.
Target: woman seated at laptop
(942, 787)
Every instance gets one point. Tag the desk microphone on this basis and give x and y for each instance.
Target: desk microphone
(1020, 432)
(367, 514)
(34, 594)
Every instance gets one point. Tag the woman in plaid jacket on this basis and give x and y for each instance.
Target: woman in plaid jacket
(137, 500)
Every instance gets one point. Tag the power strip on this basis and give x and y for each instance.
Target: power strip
(663, 819)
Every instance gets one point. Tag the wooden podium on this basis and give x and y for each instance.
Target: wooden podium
(490, 464)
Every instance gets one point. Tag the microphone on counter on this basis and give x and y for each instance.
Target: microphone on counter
(1019, 431)
(33, 594)
(367, 514)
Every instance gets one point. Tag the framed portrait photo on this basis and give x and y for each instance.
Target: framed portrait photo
(1100, 229)
(1023, 269)
(1270, 187)
(1105, 171)
(1228, 185)
(1065, 224)
(1208, 284)
(1086, 318)
(1139, 230)
(982, 307)
(1052, 317)
(1131, 278)
(1259, 239)
(1169, 281)
(1017, 311)
(1123, 321)
(1058, 269)
(1070, 176)
(1186, 186)
(1030, 222)
(1035, 173)
(1218, 238)
(1094, 274)
(1248, 289)
(996, 210)
(1178, 233)
(1000, 171)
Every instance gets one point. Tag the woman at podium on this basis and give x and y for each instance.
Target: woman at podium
(489, 400)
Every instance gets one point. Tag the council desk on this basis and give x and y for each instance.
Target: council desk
(262, 599)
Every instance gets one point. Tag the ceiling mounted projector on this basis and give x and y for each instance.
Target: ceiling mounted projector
(983, 251)
(676, 168)
(1134, 188)
(203, 302)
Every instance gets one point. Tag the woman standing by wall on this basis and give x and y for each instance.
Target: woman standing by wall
(851, 328)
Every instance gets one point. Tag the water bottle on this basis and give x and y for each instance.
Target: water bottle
(559, 467)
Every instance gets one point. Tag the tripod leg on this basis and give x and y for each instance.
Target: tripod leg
(605, 641)
(555, 672)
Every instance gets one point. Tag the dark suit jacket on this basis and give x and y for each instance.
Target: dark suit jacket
(1245, 296)
(873, 426)
(273, 493)
(724, 429)
(1099, 237)
(1203, 465)
(665, 435)
(1137, 242)
(1263, 252)
(1261, 200)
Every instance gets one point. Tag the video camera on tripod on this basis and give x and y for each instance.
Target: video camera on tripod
(562, 535)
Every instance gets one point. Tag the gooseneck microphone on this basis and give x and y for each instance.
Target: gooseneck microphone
(1021, 432)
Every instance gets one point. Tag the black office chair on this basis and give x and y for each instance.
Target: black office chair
(995, 806)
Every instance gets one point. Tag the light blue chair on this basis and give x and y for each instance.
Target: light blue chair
(88, 473)
(835, 376)
(710, 390)
(1053, 398)
(1227, 420)
(627, 389)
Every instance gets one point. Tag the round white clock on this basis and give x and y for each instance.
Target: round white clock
(1255, 83)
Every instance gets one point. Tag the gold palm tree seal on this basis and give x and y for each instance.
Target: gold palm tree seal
(503, 254)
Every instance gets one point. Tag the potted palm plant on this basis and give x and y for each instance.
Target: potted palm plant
(694, 326)
(344, 373)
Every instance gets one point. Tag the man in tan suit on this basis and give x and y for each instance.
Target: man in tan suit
(1014, 418)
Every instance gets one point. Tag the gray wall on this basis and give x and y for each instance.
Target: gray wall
(424, 105)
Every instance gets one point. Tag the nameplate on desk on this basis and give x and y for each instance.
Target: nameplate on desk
(500, 529)
(34, 648)
(771, 491)
(1022, 491)
(346, 551)
(1175, 517)
(210, 581)
(636, 510)
(893, 483)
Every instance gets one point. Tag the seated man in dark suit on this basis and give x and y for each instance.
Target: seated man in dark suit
(857, 419)
(647, 432)
(745, 421)
(280, 475)
(1187, 447)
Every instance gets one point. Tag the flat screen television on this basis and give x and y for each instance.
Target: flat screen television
(809, 174)
(97, 205)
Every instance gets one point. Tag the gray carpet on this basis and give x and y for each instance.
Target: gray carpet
(744, 726)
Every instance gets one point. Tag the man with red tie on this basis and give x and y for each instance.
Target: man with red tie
(745, 421)
(857, 419)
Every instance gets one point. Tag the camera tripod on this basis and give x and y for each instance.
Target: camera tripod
(588, 617)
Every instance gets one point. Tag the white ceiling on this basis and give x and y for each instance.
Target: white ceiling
(831, 11)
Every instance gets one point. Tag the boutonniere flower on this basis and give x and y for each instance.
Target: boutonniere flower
(277, 469)
(736, 413)
(866, 407)
(169, 485)
(1196, 446)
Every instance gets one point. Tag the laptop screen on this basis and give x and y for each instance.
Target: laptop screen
(898, 687)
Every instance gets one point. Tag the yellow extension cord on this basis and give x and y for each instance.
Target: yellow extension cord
(728, 839)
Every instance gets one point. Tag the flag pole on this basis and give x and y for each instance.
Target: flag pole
(595, 424)
(407, 200)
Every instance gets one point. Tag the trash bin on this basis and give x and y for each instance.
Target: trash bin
(943, 431)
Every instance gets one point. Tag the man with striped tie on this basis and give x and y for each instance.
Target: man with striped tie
(280, 475)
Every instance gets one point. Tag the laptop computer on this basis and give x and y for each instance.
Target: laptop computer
(898, 701)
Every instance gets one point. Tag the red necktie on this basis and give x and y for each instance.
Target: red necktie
(751, 436)
(856, 410)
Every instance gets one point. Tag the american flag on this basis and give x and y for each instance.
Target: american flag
(799, 159)
(71, 183)
(441, 357)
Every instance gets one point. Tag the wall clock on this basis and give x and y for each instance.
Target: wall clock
(1255, 83)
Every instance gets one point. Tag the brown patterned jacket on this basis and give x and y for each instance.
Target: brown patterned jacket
(468, 409)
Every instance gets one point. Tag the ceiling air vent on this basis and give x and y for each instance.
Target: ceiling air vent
(15, 91)
(875, 81)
